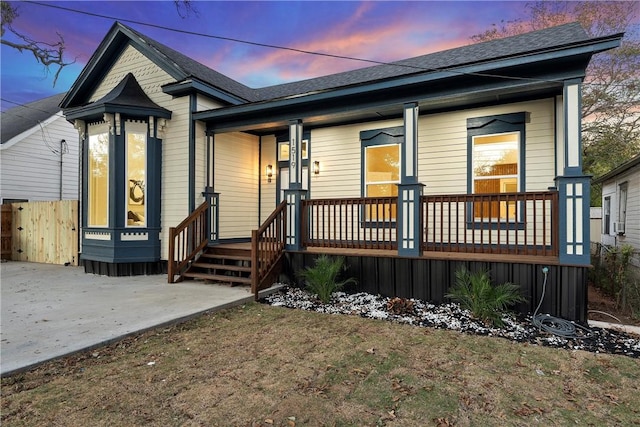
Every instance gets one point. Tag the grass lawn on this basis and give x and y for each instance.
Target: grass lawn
(259, 365)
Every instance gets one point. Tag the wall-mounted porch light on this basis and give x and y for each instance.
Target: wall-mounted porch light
(269, 172)
(316, 167)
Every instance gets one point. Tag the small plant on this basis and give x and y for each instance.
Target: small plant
(474, 292)
(400, 306)
(322, 278)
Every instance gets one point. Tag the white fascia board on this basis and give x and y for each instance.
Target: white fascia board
(21, 136)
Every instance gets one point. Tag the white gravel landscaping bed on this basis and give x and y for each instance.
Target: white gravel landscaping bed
(451, 316)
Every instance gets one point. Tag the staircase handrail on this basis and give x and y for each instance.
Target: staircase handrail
(187, 239)
(267, 246)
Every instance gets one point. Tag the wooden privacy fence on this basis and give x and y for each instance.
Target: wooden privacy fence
(6, 231)
(45, 232)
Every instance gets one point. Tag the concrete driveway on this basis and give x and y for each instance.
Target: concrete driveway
(49, 311)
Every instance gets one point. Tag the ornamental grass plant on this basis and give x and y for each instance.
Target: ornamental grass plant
(474, 292)
(322, 278)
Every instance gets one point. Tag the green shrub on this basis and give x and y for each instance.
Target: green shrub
(322, 278)
(474, 292)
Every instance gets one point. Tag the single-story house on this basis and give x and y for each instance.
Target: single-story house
(412, 169)
(621, 207)
(38, 153)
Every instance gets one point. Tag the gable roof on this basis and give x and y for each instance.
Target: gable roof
(456, 57)
(185, 69)
(174, 63)
(630, 164)
(23, 117)
(486, 51)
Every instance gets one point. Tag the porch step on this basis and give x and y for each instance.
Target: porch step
(222, 264)
(233, 280)
(227, 267)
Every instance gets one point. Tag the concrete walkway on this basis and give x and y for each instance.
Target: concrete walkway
(48, 311)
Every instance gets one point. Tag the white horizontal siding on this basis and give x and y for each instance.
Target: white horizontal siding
(631, 234)
(442, 150)
(338, 149)
(236, 179)
(30, 168)
(175, 167)
(267, 189)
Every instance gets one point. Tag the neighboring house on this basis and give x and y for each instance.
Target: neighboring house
(466, 157)
(39, 153)
(621, 207)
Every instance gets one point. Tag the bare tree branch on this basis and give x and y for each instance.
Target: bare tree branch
(47, 54)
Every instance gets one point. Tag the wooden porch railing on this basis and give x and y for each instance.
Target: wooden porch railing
(360, 223)
(500, 223)
(267, 247)
(187, 240)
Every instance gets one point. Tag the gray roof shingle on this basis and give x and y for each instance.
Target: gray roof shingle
(473, 53)
(23, 117)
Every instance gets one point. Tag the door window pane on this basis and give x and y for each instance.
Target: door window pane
(98, 180)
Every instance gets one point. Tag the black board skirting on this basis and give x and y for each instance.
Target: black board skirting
(429, 280)
(124, 268)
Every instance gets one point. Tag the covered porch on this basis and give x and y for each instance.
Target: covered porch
(514, 248)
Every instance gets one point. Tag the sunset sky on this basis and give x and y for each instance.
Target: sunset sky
(381, 31)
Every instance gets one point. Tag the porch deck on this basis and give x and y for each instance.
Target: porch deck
(427, 255)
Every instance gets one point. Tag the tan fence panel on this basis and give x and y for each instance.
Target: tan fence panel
(45, 232)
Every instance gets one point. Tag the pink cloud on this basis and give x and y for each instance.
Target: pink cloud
(392, 40)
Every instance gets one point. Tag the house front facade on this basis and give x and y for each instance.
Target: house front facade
(466, 157)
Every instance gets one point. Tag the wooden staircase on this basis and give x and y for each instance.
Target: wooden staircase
(229, 264)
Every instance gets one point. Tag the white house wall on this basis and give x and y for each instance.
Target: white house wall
(267, 189)
(339, 152)
(30, 169)
(631, 235)
(236, 179)
(442, 151)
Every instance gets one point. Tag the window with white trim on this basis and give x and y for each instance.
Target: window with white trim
(98, 177)
(381, 171)
(136, 169)
(496, 170)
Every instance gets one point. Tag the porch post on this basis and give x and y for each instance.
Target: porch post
(295, 194)
(573, 186)
(409, 190)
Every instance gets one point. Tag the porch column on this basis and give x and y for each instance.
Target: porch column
(409, 189)
(573, 186)
(295, 194)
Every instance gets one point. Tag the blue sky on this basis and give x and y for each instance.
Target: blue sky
(381, 31)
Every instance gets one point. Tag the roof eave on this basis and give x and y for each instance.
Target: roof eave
(618, 171)
(193, 85)
(581, 49)
(95, 112)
